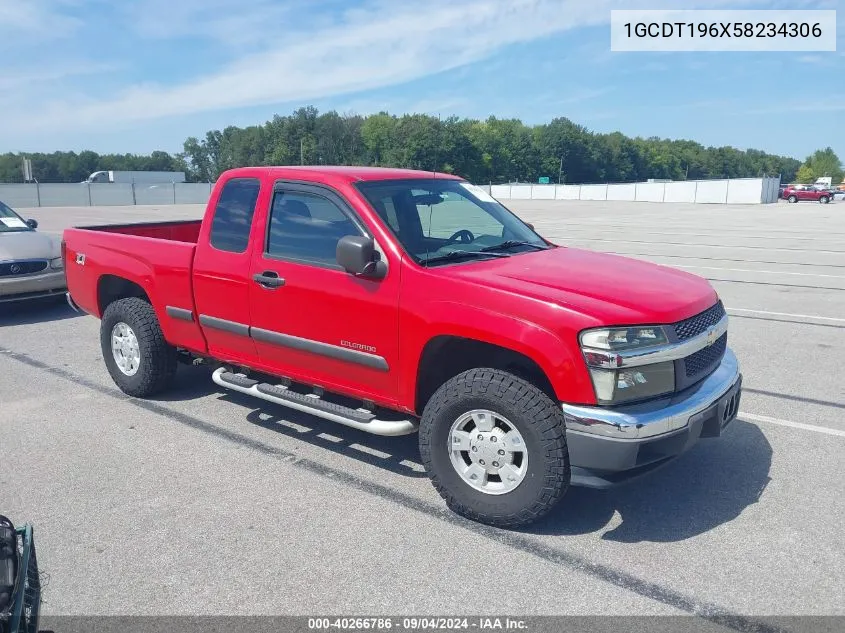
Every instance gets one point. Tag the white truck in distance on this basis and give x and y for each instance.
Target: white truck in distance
(137, 177)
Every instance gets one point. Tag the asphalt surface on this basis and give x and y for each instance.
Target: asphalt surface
(208, 502)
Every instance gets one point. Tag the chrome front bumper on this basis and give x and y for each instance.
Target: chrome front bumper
(657, 416)
(606, 442)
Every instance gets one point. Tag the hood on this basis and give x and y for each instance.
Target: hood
(27, 245)
(612, 289)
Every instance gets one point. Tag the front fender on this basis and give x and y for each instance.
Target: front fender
(557, 356)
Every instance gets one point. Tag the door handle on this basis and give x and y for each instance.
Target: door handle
(268, 279)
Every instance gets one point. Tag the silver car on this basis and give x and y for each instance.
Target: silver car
(30, 263)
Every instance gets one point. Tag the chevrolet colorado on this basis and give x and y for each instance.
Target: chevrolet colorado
(398, 301)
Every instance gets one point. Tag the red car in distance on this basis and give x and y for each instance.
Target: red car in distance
(806, 192)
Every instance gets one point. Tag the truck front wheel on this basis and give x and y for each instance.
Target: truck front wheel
(494, 447)
(139, 360)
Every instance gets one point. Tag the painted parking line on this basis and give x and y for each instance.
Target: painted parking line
(569, 238)
(752, 270)
(787, 314)
(795, 425)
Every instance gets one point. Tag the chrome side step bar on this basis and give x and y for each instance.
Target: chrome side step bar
(360, 419)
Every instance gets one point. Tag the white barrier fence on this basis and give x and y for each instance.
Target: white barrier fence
(727, 191)
(20, 195)
(733, 191)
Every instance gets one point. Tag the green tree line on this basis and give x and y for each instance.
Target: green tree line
(73, 167)
(492, 150)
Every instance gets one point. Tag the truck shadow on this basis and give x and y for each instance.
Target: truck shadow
(399, 455)
(36, 311)
(709, 486)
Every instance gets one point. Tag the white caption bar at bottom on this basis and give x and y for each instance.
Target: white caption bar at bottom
(722, 30)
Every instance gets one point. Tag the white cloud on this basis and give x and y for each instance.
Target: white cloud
(383, 44)
(229, 22)
(279, 52)
(828, 103)
(41, 18)
(34, 76)
(369, 50)
(582, 95)
(822, 59)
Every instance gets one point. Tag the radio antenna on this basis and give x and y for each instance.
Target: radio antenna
(436, 147)
(433, 176)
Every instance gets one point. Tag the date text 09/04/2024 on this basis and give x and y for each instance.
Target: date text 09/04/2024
(416, 623)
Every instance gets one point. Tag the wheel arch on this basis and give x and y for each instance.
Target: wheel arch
(111, 288)
(445, 356)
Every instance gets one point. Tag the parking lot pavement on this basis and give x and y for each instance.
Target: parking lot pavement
(174, 505)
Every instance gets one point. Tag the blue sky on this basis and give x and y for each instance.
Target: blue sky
(139, 75)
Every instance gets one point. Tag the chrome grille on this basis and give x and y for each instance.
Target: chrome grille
(28, 267)
(704, 359)
(699, 323)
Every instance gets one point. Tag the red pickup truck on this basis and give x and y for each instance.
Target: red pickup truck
(399, 301)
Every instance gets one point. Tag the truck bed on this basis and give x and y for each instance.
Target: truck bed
(156, 256)
(175, 231)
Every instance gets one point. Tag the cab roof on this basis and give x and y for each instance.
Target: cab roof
(335, 173)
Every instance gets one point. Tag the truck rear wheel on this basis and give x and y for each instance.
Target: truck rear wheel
(494, 447)
(139, 360)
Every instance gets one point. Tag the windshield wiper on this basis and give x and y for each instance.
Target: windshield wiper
(451, 255)
(511, 244)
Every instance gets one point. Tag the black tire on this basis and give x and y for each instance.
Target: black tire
(537, 418)
(157, 365)
(792, 199)
(824, 200)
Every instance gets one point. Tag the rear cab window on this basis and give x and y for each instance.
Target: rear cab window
(232, 220)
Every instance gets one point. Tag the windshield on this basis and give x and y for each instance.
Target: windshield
(11, 221)
(442, 221)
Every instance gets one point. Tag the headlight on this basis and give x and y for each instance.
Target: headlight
(56, 263)
(606, 347)
(605, 351)
(626, 338)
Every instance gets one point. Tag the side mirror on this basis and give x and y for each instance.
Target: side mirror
(529, 225)
(357, 254)
(33, 224)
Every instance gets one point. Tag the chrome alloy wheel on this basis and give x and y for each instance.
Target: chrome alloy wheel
(125, 349)
(488, 452)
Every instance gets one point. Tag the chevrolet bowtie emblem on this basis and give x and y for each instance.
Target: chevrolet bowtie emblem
(711, 336)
